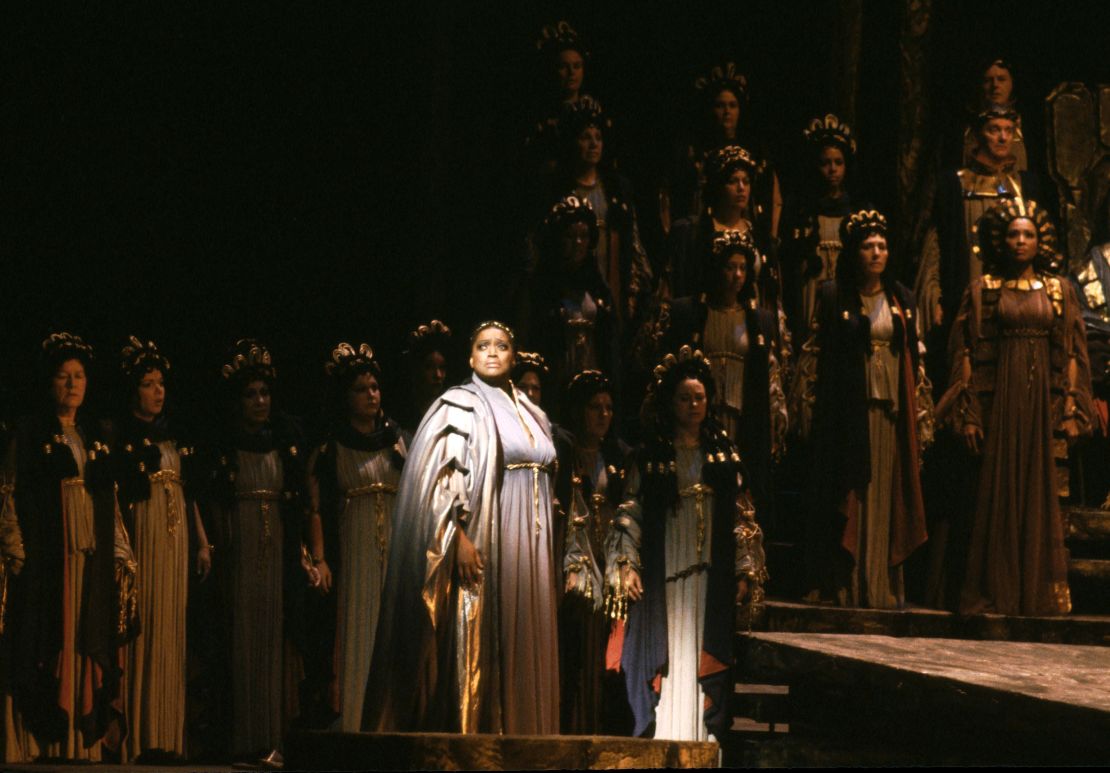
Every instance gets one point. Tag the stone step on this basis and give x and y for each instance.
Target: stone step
(1087, 525)
(792, 617)
(318, 750)
(1089, 580)
(929, 701)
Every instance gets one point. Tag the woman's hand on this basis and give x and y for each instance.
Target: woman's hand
(973, 437)
(324, 579)
(631, 584)
(741, 590)
(204, 561)
(938, 315)
(468, 562)
(572, 582)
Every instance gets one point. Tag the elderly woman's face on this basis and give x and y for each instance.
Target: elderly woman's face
(873, 256)
(68, 385)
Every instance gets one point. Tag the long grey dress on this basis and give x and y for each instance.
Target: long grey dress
(526, 588)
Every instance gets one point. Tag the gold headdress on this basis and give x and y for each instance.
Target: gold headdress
(492, 323)
(583, 113)
(685, 357)
(62, 346)
(530, 361)
(585, 384)
(249, 357)
(137, 358)
(719, 163)
(992, 226)
(428, 337)
(720, 77)
(830, 131)
(731, 241)
(346, 358)
(861, 222)
(558, 37)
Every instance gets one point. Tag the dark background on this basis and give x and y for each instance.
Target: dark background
(316, 173)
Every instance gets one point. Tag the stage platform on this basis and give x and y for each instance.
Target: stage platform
(446, 751)
(872, 699)
(790, 617)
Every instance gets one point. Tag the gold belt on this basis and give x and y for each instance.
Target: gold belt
(536, 469)
(264, 497)
(699, 491)
(725, 356)
(73, 482)
(1025, 332)
(378, 490)
(167, 479)
(878, 343)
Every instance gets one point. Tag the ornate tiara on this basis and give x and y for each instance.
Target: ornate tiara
(720, 161)
(492, 323)
(734, 241)
(992, 227)
(139, 357)
(60, 344)
(992, 112)
(249, 356)
(722, 76)
(584, 112)
(345, 358)
(560, 36)
(863, 221)
(685, 355)
(830, 130)
(531, 361)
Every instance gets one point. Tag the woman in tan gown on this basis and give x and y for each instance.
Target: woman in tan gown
(151, 469)
(1021, 377)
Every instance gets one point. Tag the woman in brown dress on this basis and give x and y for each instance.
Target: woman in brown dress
(1023, 388)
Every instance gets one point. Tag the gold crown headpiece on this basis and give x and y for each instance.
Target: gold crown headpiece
(560, 37)
(992, 227)
(428, 336)
(830, 130)
(345, 358)
(685, 355)
(531, 361)
(583, 113)
(587, 382)
(734, 241)
(722, 76)
(138, 357)
(720, 162)
(249, 357)
(63, 344)
(492, 323)
(863, 221)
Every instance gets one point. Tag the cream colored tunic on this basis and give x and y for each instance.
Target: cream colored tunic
(874, 583)
(257, 604)
(368, 482)
(828, 250)
(155, 670)
(726, 346)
